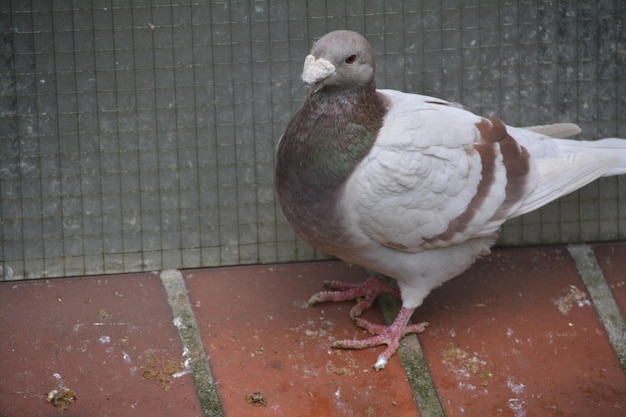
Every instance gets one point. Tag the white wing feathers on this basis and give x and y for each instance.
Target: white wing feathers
(439, 175)
(556, 130)
(563, 175)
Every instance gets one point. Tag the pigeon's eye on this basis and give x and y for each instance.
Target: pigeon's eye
(351, 59)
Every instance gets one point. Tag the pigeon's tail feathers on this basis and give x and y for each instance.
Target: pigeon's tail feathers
(560, 176)
(616, 147)
(556, 130)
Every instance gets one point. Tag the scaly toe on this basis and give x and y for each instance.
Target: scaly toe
(367, 291)
(387, 335)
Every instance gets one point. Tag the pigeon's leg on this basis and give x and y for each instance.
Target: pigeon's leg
(368, 291)
(388, 335)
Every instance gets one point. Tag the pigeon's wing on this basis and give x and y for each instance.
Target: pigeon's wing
(564, 165)
(556, 130)
(439, 175)
(430, 181)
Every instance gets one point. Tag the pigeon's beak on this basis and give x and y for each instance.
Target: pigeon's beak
(316, 70)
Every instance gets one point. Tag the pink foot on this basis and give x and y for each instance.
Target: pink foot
(388, 335)
(369, 290)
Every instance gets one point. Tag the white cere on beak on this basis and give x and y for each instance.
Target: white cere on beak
(316, 70)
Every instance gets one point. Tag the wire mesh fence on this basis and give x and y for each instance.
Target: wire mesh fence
(140, 135)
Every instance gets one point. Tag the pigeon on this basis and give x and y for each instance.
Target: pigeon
(412, 187)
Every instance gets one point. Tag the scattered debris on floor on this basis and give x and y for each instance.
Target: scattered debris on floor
(105, 315)
(343, 371)
(61, 397)
(574, 297)
(257, 399)
(161, 370)
(465, 365)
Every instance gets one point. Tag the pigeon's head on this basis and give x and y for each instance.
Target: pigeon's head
(340, 60)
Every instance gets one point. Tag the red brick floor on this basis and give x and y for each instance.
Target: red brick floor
(95, 336)
(519, 334)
